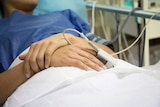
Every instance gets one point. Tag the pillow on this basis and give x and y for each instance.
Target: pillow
(46, 6)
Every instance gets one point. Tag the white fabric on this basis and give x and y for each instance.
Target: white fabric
(123, 86)
(153, 67)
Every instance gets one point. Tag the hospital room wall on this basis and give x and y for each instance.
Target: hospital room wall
(130, 30)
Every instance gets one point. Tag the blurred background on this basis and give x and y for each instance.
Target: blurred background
(107, 24)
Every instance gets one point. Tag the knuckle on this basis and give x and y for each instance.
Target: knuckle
(32, 60)
(48, 53)
(39, 58)
(85, 60)
(91, 57)
(77, 63)
(33, 45)
(81, 65)
(52, 43)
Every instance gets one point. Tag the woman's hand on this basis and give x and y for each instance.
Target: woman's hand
(39, 54)
(78, 56)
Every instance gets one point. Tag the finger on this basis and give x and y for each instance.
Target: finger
(79, 64)
(41, 57)
(92, 64)
(79, 61)
(33, 58)
(90, 54)
(67, 59)
(91, 61)
(48, 53)
(74, 62)
(53, 45)
(22, 57)
(91, 51)
(92, 58)
(30, 60)
(27, 68)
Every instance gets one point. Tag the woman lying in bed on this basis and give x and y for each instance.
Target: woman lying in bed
(59, 86)
(48, 47)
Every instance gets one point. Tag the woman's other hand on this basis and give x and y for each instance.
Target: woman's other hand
(39, 54)
(78, 56)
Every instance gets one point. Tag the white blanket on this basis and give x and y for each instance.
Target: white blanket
(123, 86)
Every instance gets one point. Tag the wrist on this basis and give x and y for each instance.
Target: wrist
(66, 38)
(77, 40)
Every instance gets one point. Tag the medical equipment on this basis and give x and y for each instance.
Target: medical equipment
(106, 58)
(94, 2)
(93, 14)
(123, 25)
(153, 3)
(140, 35)
(103, 56)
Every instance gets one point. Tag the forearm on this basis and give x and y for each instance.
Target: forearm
(10, 80)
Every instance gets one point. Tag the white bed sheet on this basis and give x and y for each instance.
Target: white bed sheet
(123, 86)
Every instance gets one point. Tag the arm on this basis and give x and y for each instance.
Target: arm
(40, 53)
(14, 77)
(10, 80)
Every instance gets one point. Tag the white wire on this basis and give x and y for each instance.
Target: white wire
(93, 25)
(102, 23)
(138, 36)
(93, 17)
(126, 44)
(81, 34)
(93, 14)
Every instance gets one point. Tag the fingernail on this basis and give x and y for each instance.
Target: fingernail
(46, 66)
(89, 69)
(104, 67)
(101, 68)
(27, 75)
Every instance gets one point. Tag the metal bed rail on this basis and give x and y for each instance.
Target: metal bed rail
(145, 14)
(121, 10)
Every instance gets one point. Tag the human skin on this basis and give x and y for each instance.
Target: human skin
(48, 52)
(13, 78)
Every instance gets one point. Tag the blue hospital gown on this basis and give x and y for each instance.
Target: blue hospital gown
(20, 30)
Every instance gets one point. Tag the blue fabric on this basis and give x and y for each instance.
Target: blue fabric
(19, 31)
(47, 6)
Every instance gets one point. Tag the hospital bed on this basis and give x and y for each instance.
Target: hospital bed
(125, 85)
